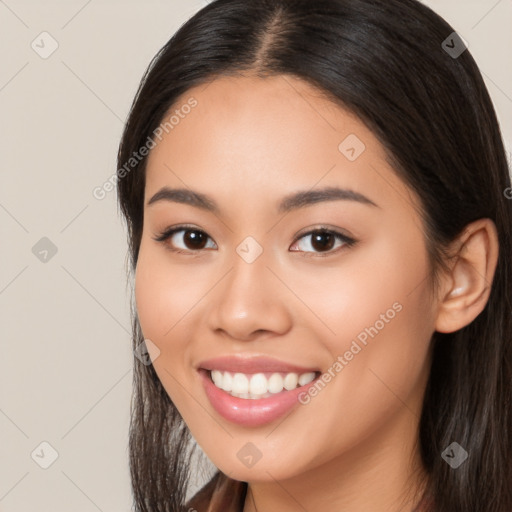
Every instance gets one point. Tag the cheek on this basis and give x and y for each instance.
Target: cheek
(162, 301)
(149, 295)
(377, 316)
(376, 313)
(169, 298)
(376, 279)
(163, 294)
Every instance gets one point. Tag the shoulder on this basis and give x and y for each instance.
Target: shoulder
(220, 494)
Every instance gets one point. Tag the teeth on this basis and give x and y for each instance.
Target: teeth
(227, 382)
(306, 378)
(257, 385)
(291, 381)
(240, 383)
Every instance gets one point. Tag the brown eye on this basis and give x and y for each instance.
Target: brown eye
(188, 239)
(183, 239)
(322, 241)
(194, 239)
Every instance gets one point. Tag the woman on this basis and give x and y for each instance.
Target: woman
(320, 238)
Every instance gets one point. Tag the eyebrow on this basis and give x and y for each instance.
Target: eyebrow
(290, 202)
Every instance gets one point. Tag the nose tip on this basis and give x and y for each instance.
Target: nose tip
(248, 304)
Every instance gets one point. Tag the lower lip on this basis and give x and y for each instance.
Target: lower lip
(250, 412)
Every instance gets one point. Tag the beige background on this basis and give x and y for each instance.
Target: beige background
(65, 370)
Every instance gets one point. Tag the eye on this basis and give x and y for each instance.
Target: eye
(194, 239)
(323, 240)
(188, 239)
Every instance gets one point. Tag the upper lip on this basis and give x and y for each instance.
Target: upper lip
(252, 364)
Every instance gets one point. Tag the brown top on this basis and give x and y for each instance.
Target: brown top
(223, 494)
(220, 494)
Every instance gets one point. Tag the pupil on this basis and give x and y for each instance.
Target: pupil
(195, 238)
(322, 240)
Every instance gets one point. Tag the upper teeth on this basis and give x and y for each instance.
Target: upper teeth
(257, 385)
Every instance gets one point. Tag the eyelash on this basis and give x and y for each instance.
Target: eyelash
(348, 242)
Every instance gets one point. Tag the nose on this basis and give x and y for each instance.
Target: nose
(250, 302)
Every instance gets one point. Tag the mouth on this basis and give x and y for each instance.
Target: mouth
(255, 399)
(261, 385)
(254, 390)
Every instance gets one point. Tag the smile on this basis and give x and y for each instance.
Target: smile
(249, 409)
(259, 385)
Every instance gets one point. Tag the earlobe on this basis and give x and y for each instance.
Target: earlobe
(467, 287)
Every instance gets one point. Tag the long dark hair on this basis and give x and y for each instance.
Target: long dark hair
(385, 61)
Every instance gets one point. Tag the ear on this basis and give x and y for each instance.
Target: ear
(466, 288)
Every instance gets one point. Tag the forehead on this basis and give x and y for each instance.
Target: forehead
(267, 136)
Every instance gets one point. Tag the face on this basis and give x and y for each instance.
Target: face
(278, 271)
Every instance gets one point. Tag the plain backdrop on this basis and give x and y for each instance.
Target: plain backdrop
(66, 361)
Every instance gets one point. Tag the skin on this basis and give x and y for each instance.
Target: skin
(248, 143)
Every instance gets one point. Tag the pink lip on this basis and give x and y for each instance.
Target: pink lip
(255, 364)
(247, 412)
